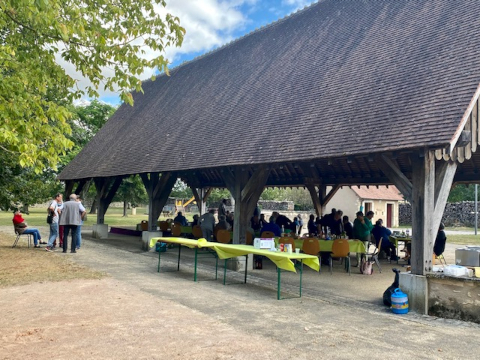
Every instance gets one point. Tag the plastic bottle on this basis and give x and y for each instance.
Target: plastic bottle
(283, 230)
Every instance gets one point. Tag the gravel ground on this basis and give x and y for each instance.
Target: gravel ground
(137, 313)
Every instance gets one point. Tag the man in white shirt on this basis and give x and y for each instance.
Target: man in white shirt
(54, 209)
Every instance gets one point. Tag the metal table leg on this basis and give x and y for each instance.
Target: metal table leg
(178, 262)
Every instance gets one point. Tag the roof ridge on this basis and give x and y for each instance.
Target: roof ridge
(234, 41)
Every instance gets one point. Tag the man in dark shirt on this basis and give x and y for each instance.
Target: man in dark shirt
(336, 225)
(348, 227)
(282, 220)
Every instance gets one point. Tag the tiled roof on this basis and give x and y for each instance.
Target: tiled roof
(338, 78)
(382, 193)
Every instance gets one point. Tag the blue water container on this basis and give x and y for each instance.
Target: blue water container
(399, 302)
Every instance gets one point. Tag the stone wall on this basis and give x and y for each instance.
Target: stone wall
(454, 298)
(456, 214)
(275, 205)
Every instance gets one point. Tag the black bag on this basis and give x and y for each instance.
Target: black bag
(50, 216)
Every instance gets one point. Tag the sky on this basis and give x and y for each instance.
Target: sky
(209, 24)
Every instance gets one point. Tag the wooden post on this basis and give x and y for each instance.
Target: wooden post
(423, 205)
(106, 189)
(69, 184)
(158, 189)
(246, 191)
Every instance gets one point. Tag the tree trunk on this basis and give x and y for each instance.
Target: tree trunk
(124, 209)
(93, 210)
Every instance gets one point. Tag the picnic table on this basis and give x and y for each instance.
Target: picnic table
(397, 239)
(282, 260)
(356, 246)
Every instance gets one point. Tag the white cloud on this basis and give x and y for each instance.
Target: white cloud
(297, 4)
(208, 24)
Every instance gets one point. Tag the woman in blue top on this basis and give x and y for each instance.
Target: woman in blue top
(381, 232)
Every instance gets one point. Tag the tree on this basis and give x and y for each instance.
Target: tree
(461, 192)
(106, 42)
(181, 190)
(131, 191)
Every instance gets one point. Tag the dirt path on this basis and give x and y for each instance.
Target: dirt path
(137, 313)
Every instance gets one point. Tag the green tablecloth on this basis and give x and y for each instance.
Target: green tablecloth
(356, 246)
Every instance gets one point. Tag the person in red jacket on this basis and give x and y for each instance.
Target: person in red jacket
(21, 227)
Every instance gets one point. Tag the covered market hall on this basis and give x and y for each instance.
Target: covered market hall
(341, 93)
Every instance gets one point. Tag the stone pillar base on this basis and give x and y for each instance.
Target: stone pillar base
(100, 231)
(416, 286)
(147, 236)
(238, 263)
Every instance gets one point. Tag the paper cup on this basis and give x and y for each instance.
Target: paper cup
(297, 251)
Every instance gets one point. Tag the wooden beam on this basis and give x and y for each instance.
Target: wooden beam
(317, 205)
(69, 184)
(444, 175)
(258, 178)
(396, 176)
(423, 206)
(330, 194)
(207, 194)
(80, 186)
(112, 191)
(229, 179)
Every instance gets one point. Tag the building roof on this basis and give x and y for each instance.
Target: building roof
(380, 193)
(338, 78)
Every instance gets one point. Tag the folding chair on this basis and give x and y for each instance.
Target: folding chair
(340, 249)
(287, 240)
(29, 238)
(374, 254)
(223, 236)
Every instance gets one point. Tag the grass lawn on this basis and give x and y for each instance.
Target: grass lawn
(463, 239)
(113, 217)
(22, 265)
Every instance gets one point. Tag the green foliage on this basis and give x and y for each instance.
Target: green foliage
(24, 186)
(104, 41)
(462, 192)
(181, 190)
(132, 191)
(217, 195)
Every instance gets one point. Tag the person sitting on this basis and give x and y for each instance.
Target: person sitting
(230, 217)
(348, 227)
(223, 223)
(381, 232)
(182, 220)
(263, 221)
(440, 241)
(255, 223)
(312, 226)
(195, 220)
(271, 226)
(21, 227)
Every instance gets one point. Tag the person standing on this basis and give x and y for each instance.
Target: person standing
(300, 224)
(60, 227)
(54, 209)
(207, 223)
(79, 228)
(71, 217)
(222, 209)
